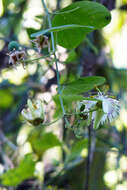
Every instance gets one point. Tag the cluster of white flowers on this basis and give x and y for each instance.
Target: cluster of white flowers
(103, 108)
(34, 112)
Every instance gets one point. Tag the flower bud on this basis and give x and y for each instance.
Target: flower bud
(13, 45)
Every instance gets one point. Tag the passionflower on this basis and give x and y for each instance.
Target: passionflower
(103, 108)
(34, 112)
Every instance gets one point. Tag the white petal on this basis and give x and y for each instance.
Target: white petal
(107, 106)
(27, 115)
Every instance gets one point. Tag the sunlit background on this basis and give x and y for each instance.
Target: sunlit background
(115, 35)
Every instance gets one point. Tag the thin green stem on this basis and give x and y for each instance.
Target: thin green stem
(31, 60)
(88, 166)
(55, 58)
(83, 112)
(36, 59)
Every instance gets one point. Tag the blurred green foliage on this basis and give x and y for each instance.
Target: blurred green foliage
(23, 171)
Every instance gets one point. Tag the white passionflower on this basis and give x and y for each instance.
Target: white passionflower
(34, 113)
(110, 107)
(103, 109)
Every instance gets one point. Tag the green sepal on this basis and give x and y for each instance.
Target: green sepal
(98, 116)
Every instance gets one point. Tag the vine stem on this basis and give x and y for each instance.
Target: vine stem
(91, 148)
(56, 63)
(88, 159)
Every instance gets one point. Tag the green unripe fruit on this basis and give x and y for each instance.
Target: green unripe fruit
(13, 45)
(82, 108)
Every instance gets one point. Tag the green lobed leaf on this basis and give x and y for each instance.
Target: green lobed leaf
(69, 98)
(15, 176)
(85, 13)
(77, 149)
(41, 141)
(82, 85)
(59, 28)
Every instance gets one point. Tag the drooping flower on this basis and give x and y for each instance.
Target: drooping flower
(34, 112)
(16, 54)
(41, 42)
(103, 109)
(17, 57)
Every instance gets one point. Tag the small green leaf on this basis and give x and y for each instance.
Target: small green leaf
(72, 98)
(15, 176)
(71, 57)
(85, 13)
(82, 85)
(59, 28)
